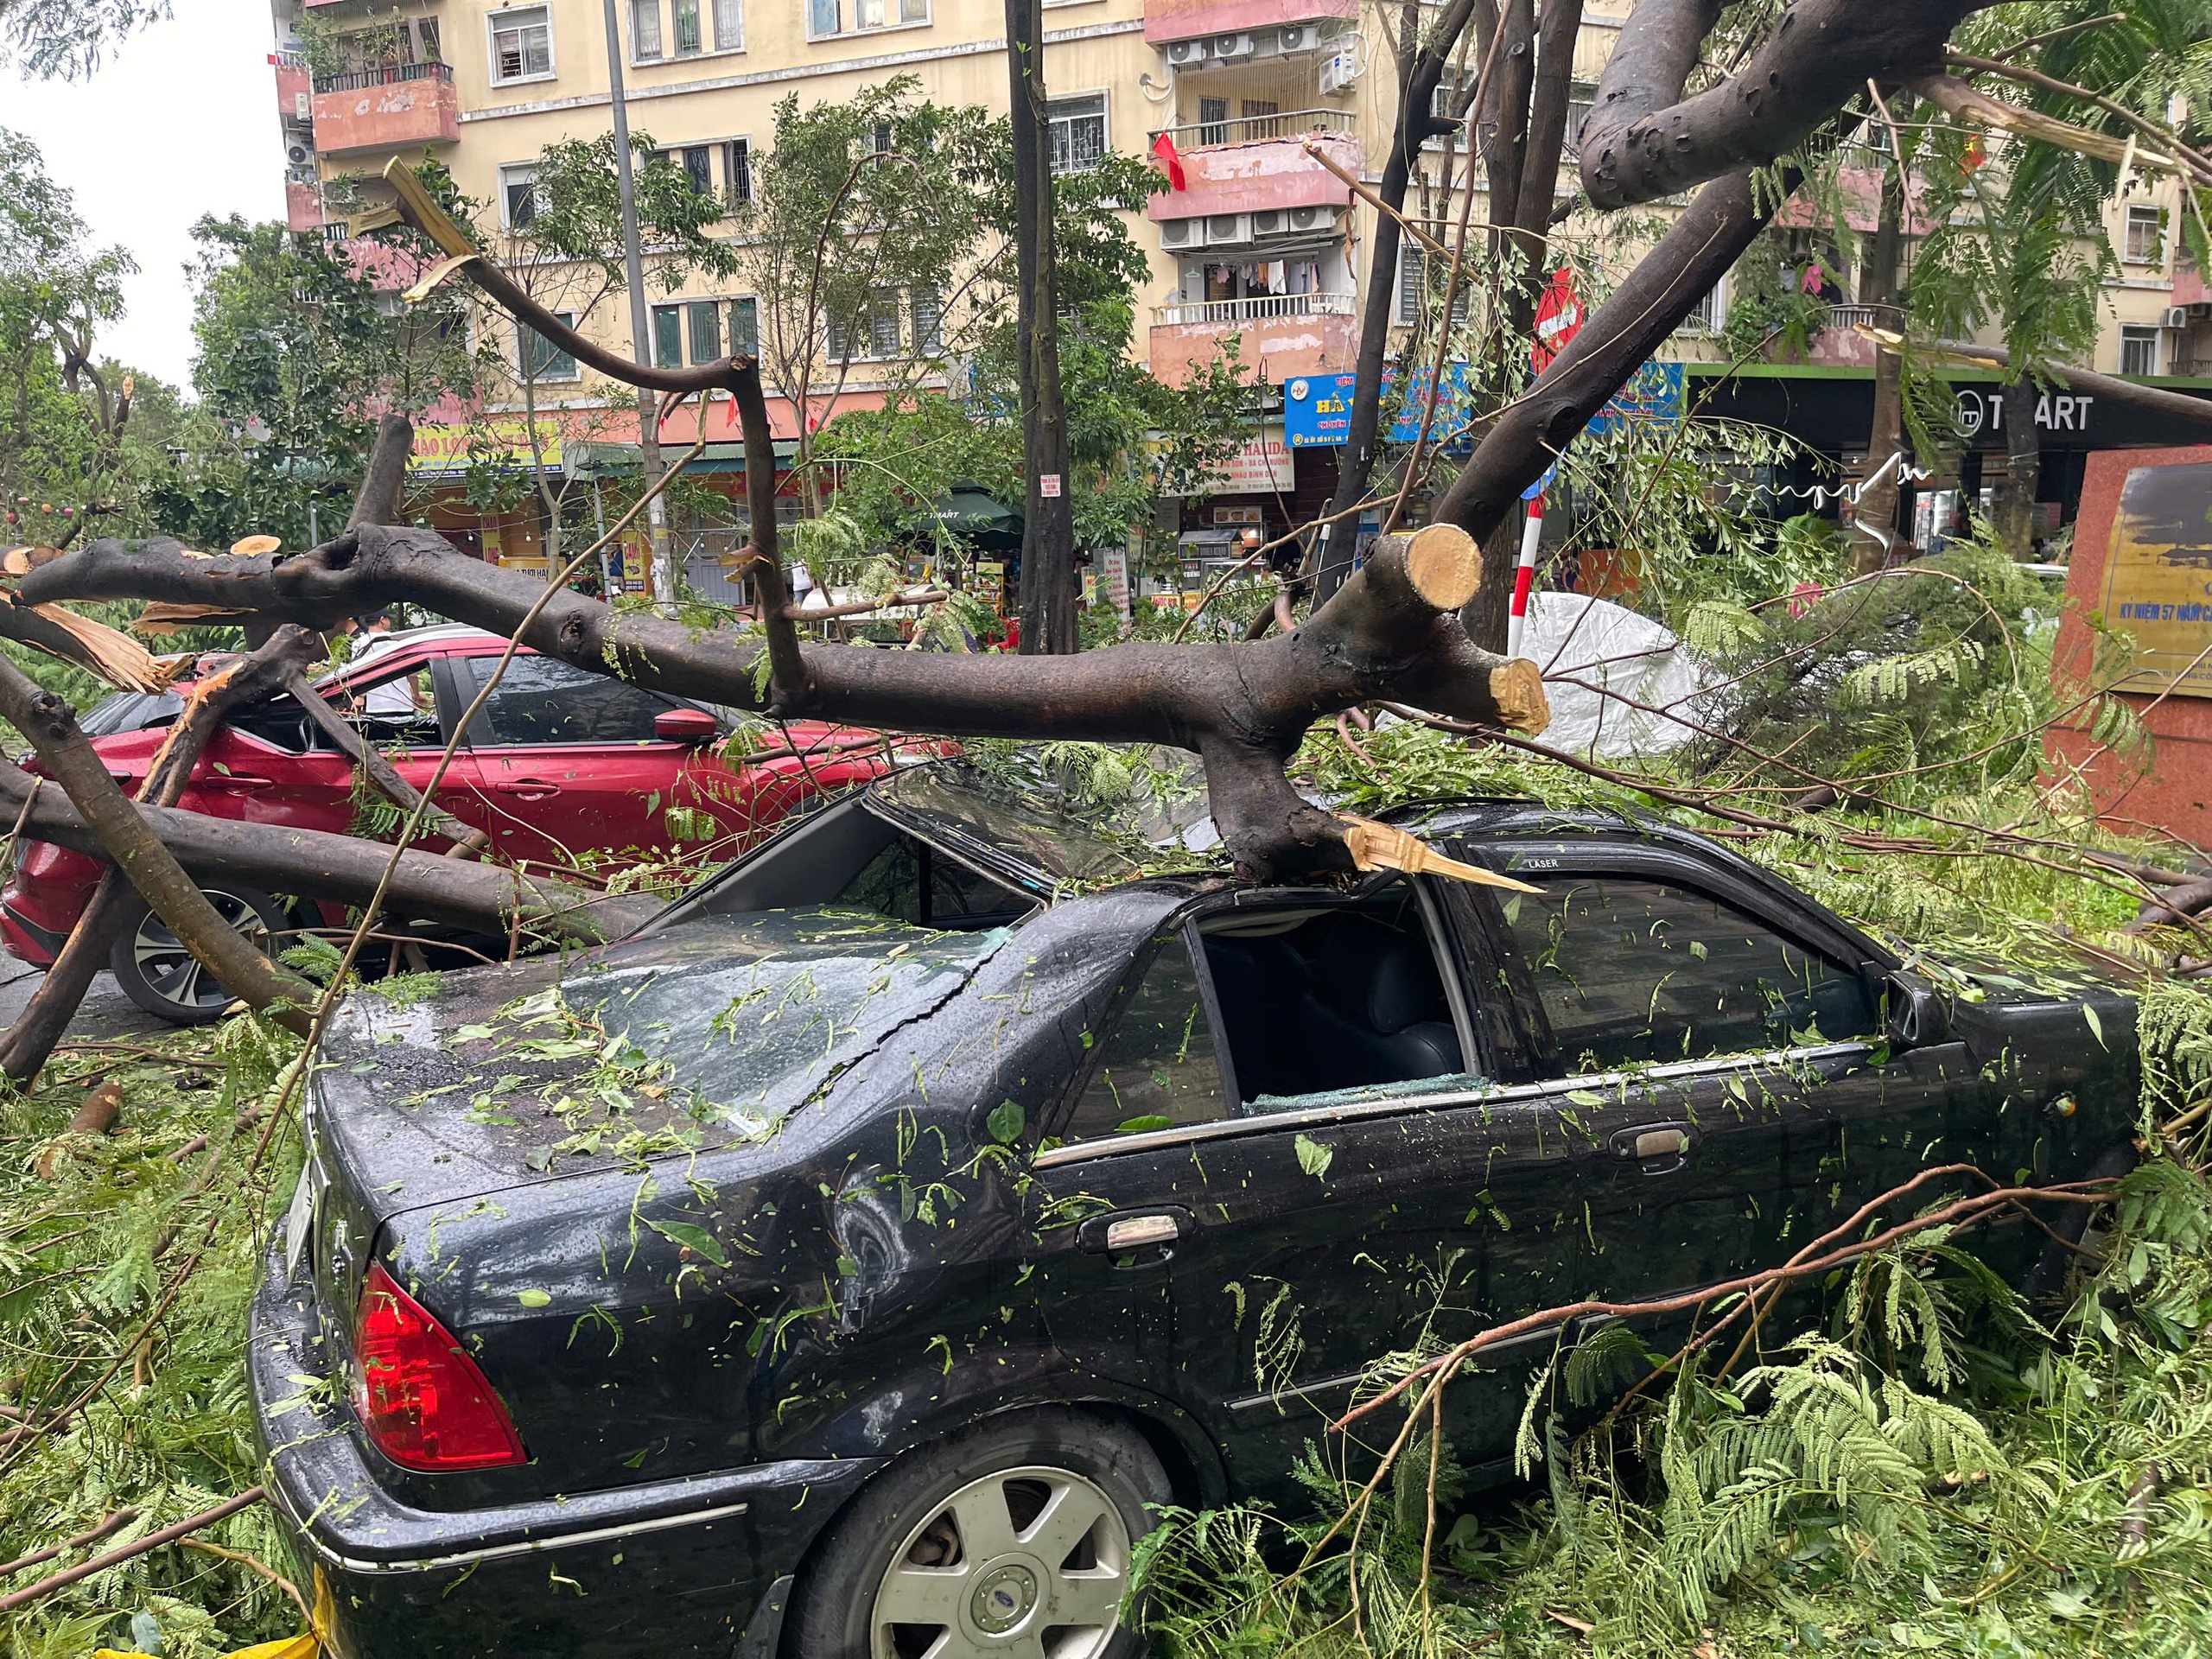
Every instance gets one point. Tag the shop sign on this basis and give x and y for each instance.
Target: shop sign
(1984, 406)
(450, 451)
(1114, 578)
(1652, 396)
(1317, 410)
(1262, 466)
(2157, 581)
(1238, 516)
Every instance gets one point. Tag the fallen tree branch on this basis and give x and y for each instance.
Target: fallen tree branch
(127, 840)
(863, 606)
(136, 1546)
(120, 1518)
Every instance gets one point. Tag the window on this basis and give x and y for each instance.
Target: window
(1159, 1069)
(2139, 350)
(928, 318)
(1414, 297)
(689, 41)
(1581, 101)
(911, 882)
(884, 334)
(706, 320)
(825, 17)
(1632, 970)
(1318, 998)
(518, 201)
(431, 42)
(543, 359)
(522, 45)
(668, 336)
(644, 30)
(2145, 241)
(729, 25)
(745, 328)
(1079, 132)
(540, 700)
(1213, 121)
(1708, 316)
(699, 167)
(737, 172)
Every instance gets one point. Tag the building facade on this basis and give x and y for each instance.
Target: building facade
(1264, 247)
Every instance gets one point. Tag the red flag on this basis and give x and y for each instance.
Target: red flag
(1164, 148)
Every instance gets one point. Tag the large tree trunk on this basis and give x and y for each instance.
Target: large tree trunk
(1873, 519)
(1421, 64)
(2014, 506)
(1049, 589)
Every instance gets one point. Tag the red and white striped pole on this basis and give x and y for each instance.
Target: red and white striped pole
(1524, 574)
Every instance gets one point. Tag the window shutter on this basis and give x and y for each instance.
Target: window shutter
(668, 336)
(706, 331)
(1413, 260)
(729, 25)
(745, 328)
(737, 172)
(928, 318)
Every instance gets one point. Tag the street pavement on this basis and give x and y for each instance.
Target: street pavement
(105, 1012)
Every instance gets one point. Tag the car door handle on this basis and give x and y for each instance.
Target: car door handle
(234, 781)
(527, 789)
(1659, 1148)
(1142, 1238)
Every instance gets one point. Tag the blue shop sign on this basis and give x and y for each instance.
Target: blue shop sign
(1653, 394)
(1317, 410)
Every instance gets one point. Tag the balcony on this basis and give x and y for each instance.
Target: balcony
(302, 206)
(1186, 20)
(393, 107)
(294, 93)
(1279, 335)
(1257, 162)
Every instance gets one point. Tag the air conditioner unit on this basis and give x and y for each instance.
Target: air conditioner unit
(1338, 70)
(1177, 233)
(1272, 222)
(1297, 37)
(1309, 218)
(299, 155)
(2177, 316)
(1224, 228)
(1232, 45)
(1182, 54)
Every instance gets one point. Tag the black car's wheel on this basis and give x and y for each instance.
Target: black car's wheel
(164, 978)
(1010, 1540)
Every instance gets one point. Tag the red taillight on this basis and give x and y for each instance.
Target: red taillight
(421, 1399)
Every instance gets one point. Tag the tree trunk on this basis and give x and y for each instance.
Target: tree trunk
(1048, 590)
(2013, 509)
(1874, 517)
(1422, 66)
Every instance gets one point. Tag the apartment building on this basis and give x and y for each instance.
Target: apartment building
(1266, 244)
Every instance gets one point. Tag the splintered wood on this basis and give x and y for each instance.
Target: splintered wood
(1383, 847)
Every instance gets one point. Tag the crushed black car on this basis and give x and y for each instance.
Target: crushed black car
(844, 1264)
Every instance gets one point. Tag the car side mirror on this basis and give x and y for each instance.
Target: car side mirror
(1917, 1016)
(686, 725)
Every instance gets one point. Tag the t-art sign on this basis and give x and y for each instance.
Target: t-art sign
(1981, 406)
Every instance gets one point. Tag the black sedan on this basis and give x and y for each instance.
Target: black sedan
(842, 1266)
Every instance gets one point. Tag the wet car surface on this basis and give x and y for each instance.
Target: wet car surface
(942, 1144)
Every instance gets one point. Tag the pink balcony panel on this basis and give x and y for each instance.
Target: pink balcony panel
(380, 110)
(1279, 338)
(302, 206)
(1252, 177)
(2189, 284)
(293, 92)
(1184, 20)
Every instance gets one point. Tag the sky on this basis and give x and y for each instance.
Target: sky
(181, 121)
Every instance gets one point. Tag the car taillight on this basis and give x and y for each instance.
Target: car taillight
(423, 1402)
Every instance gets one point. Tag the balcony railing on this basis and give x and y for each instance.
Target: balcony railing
(1852, 316)
(1256, 129)
(389, 74)
(1256, 309)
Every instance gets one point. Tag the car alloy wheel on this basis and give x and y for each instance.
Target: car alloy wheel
(1029, 1563)
(157, 973)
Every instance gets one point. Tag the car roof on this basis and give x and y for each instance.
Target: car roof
(1027, 833)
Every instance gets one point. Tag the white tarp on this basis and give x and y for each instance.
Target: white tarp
(1590, 647)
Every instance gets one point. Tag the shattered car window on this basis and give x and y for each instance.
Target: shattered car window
(757, 1013)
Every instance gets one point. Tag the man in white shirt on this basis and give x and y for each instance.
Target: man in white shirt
(394, 697)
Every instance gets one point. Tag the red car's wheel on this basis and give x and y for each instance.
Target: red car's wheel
(163, 978)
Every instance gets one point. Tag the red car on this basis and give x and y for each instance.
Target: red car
(561, 764)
